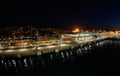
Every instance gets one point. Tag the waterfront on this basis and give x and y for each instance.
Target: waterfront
(60, 38)
(102, 59)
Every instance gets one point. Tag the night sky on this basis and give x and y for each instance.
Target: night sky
(86, 13)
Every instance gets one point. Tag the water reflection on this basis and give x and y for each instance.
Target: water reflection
(28, 63)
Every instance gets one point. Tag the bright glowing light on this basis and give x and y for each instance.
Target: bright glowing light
(116, 32)
(22, 50)
(50, 46)
(64, 45)
(39, 48)
(76, 30)
(25, 43)
(9, 51)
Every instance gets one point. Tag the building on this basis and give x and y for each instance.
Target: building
(80, 36)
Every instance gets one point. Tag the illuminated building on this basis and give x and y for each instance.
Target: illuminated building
(81, 36)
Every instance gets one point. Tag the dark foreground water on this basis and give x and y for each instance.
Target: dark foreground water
(101, 60)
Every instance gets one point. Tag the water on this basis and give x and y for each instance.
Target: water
(98, 59)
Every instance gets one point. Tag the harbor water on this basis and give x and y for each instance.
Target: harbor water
(100, 58)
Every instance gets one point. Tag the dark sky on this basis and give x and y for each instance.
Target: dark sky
(88, 13)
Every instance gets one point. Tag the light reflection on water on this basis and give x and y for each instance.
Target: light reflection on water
(46, 61)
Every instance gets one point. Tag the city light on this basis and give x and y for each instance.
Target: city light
(76, 30)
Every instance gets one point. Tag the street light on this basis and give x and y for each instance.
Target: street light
(76, 30)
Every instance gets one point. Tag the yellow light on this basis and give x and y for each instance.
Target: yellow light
(25, 43)
(76, 30)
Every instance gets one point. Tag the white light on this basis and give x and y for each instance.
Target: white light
(39, 48)
(9, 50)
(50, 46)
(51, 57)
(12, 46)
(67, 54)
(85, 48)
(64, 44)
(13, 61)
(22, 50)
(25, 61)
(62, 54)
(2, 61)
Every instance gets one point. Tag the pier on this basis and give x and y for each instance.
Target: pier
(42, 49)
(26, 47)
(24, 59)
(41, 59)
